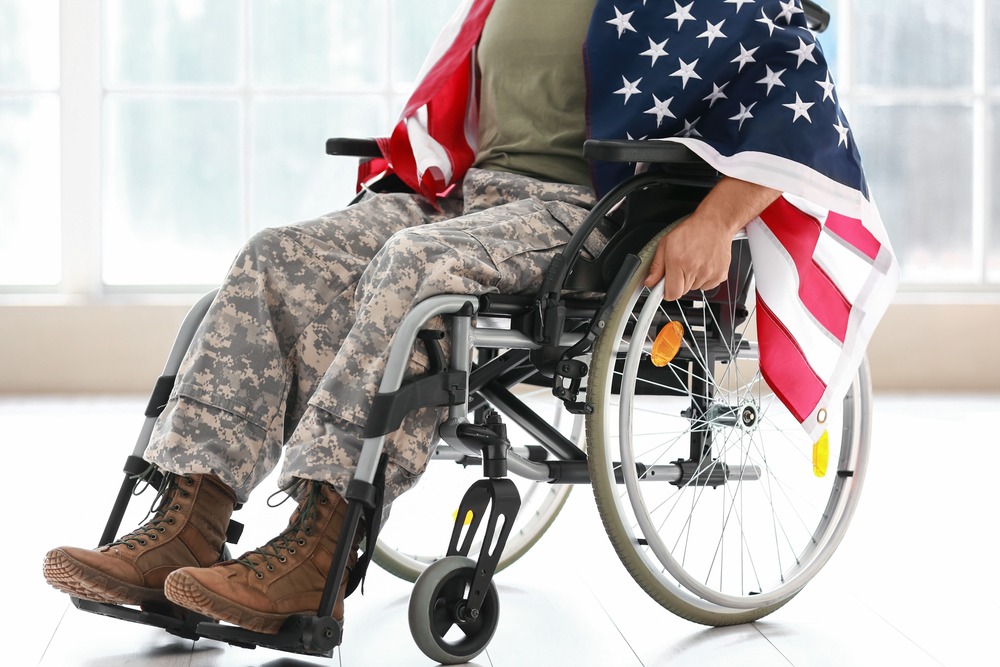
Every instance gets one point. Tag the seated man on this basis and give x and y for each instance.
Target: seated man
(290, 354)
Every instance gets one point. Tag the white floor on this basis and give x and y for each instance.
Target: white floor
(915, 582)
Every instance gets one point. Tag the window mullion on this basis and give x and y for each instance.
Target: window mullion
(81, 97)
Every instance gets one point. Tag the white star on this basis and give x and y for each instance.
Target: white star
(655, 50)
(788, 10)
(629, 89)
(769, 23)
(716, 95)
(843, 132)
(686, 71)
(739, 4)
(804, 52)
(681, 14)
(621, 21)
(713, 31)
(745, 57)
(743, 114)
(772, 79)
(689, 130)
(631, 138)
(800, 108)
(661, 109)
(827, 87)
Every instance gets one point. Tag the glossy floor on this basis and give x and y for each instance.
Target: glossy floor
(915, 582)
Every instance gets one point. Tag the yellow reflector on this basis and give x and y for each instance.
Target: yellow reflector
(468, 516)
(821, 455)
(667, 343)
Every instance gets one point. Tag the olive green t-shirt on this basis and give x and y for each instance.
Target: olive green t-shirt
(532, 92)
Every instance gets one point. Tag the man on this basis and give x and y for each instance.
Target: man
(290, 354)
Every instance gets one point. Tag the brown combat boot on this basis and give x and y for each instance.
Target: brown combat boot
(286, 576)
(188, 528)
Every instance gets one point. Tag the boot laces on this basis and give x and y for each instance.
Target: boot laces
(159, 510)
(292, 536)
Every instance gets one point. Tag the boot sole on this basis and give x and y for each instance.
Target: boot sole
(182, 589)
(66, 574)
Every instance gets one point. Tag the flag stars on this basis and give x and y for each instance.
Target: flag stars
(661, 109)
(739, 3)
(681, 14)
(744, 114)
(745, 56)
(827, 86)
(655, 50)
(716, 94)
(629, 89)
(621, 21)
(804, 52)
(800, 108)
(771, 27)
(686, 71)
(788, 11)
(713, 32)
(843, 132)
(689, 130)
(772, 79)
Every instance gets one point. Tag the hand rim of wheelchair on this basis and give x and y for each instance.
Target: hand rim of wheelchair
(664, 577)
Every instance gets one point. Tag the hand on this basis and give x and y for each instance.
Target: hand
(695, 254)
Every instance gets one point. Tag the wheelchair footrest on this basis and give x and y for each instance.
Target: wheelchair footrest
(173, 619)
(306, 634)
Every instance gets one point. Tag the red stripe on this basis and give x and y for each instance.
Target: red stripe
(784, 366)
(853, 232)
(798, 233)
(456, 57)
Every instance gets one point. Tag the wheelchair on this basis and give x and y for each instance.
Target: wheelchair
(713, 497)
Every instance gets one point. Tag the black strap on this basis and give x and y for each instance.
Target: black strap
(371, 496)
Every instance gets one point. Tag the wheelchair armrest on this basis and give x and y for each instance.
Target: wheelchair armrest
(364, 148)
(663, 152)
(817, 18)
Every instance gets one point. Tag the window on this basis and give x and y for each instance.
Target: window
(29, 142)
(920, 83)
(141, 141)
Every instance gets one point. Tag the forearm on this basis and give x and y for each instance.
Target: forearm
(732, 204)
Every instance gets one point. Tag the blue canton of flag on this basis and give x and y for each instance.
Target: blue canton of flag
(739, 75)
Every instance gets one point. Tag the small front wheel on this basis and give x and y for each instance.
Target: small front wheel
(437, 622)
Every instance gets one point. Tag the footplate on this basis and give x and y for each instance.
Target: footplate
(164, 615)
(306, 634)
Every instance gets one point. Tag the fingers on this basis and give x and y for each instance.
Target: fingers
(656, 269)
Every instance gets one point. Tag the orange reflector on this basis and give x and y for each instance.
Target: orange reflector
(667, 343)
(821, 455)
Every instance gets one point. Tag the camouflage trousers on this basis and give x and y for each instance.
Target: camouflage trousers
(291, 352)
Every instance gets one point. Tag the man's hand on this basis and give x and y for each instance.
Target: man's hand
(695, 254)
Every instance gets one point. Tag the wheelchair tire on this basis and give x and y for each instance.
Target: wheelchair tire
(418, 531)
(736, 552)
(432, 612)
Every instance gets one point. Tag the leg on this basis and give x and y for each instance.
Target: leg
(265, 342)
(504, 244)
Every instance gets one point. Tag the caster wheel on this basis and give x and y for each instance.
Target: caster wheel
(436, 602)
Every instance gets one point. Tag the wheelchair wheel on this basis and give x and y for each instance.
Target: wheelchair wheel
(421, 521)
(435, 609)
(719, 511)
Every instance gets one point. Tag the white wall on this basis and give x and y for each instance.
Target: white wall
(120, 348)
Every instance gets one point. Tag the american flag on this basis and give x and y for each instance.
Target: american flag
(744, 84)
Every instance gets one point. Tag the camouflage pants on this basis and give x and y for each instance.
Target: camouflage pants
(291, 352)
